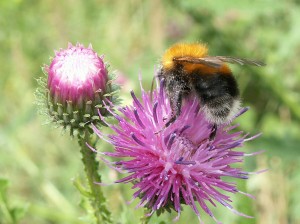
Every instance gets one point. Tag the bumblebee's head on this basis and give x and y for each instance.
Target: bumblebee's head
(178, 50)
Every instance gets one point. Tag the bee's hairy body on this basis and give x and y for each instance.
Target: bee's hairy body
(218, 92)
(187, 69)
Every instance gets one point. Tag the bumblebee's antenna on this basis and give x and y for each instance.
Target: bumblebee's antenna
(159, 75)
(152, 87)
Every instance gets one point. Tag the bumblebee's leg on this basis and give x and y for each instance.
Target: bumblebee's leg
(213, 132)
(175, 102)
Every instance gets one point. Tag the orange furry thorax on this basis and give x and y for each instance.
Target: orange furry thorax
(196, 50)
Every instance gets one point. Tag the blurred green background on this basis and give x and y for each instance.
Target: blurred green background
(39, 162)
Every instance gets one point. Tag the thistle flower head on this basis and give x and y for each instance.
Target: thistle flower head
(75, 74)
(175, 165)
(77, 83)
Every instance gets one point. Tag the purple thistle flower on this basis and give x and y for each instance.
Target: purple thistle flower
(178, 164)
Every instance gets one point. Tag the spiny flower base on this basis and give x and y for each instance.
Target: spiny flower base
(66, 116)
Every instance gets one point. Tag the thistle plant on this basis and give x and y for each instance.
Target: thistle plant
(168, 166)
(175, 165)
(76, 84)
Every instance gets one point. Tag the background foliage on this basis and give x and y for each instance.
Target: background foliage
(39, 162)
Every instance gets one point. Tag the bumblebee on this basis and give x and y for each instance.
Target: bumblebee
(187, 69)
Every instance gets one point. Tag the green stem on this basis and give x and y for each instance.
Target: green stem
(91, 165)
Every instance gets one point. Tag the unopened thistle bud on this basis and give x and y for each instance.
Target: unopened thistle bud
(77, 84)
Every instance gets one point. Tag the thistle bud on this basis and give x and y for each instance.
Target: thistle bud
(77, 84)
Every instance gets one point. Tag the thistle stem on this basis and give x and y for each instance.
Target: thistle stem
(91, 165)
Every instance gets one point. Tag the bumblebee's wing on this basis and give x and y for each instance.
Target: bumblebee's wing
(217, 61)
(209, 61)
(240, 61)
